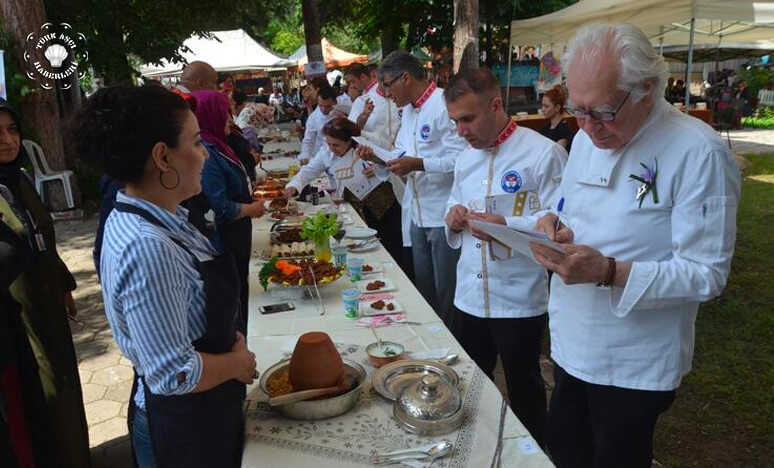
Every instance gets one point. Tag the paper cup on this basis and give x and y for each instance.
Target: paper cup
(351, 300)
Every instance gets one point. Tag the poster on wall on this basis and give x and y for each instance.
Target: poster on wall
(3, 93)
(521, 75)
(550, 72)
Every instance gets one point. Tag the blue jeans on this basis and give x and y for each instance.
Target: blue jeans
(141, 439)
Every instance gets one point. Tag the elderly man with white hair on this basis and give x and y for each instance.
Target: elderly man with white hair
(648, 225)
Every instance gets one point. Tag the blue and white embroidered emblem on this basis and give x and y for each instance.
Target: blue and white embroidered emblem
(511, 182)
(425, 132)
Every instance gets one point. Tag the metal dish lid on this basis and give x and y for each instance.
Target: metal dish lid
(429, 407)
(431, 398)
(391, 378)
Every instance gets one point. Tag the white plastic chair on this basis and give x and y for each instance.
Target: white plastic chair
(43, 172)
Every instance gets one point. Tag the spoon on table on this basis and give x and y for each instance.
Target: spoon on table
(439, 450)
(449, 359)
(345, 383)
(378, 340)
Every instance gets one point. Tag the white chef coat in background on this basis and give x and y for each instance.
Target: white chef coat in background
(642, 336)
(427, 132)
(314, 138)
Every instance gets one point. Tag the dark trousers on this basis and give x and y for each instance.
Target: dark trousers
(602, 426)
(388, 227)
(517, 341)
(236, 239)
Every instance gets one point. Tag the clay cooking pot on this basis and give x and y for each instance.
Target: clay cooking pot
(315, 363)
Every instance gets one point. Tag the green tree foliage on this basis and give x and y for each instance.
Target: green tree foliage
(148, 30)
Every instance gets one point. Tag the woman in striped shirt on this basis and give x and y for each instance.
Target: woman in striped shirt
(171, 301)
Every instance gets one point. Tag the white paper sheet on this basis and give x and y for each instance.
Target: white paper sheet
(384, 155)
(349, 173)
(516, 239)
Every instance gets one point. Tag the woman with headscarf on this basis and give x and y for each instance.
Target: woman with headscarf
(43, 289)
(250, 119)
(227, 185)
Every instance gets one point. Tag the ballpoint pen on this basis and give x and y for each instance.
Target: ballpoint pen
(559, 213)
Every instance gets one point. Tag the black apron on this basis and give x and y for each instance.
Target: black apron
(203, 429)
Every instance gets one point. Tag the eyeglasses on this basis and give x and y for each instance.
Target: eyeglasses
(600, 115)
(387, 84)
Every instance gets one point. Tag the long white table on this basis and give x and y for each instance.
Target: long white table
(349, 440)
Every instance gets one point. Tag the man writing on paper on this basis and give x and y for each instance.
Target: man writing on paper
(431, 145)
(314, 138)
(502, 304)
(650, 197)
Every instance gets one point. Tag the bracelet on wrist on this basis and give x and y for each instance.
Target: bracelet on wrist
(610, 275)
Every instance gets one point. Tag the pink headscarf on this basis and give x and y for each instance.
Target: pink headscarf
(212, 112)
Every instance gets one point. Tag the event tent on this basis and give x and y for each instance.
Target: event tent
(227, 51)
(666, 22)
(332, 55)
(714, 52)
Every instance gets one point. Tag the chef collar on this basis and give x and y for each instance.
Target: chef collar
(425, 96)
(370, 86)
(505, 133)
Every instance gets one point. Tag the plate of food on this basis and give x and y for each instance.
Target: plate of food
(296, 249)
(360, 232)
(375, 286)
(380, 306)
(292, 273)
(268, 190)
(363, 245)
(372, 269)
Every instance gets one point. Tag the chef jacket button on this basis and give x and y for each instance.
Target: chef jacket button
(480, 276)
(478, 245)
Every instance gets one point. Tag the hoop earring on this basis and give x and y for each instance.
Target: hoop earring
(177, 182)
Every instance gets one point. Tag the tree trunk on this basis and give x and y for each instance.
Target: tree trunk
(311, 14)
(489, 35)
(39, 109)
(465, 34)
(390, 38)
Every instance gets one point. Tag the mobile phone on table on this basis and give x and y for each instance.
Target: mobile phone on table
(274, 308)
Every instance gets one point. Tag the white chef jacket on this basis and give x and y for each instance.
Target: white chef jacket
(642, 337)
(383, 123)
(314, 138)
(516, 287)
(320, 164)
(427, 132)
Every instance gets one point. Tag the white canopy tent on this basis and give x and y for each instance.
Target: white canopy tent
(228, 51)
(666, 22)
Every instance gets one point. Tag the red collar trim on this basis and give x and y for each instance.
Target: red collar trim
(380, 92)
(425, 96)
(370, 86)
(507, 132)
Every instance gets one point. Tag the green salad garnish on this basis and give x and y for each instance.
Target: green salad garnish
(269, 268)
(320, 226)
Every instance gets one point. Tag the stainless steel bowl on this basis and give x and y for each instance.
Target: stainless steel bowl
(318, 409)
(429, 407)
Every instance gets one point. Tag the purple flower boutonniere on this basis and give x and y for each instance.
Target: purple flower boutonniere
(648, 181)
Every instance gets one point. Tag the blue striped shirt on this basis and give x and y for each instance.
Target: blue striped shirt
(154, 296)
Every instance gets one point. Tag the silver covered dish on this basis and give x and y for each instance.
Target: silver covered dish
(430, 407)
(313, 410)
(391, 378)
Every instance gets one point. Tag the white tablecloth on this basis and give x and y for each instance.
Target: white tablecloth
(348, 440)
